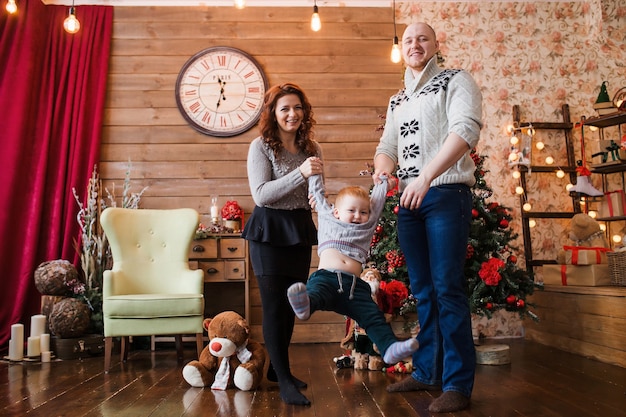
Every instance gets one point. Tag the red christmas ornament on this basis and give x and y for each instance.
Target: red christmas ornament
(379, 229)
(396, 209)
(520, 303)
(512, 259)
(504, 223)
(489, 306)
(474, 213)
(510, 299)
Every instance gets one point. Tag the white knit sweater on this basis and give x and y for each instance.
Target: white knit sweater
(422, 115)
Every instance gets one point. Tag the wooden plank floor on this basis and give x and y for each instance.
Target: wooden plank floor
(540, 381)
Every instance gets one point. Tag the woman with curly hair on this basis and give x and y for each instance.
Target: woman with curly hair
(280, 231)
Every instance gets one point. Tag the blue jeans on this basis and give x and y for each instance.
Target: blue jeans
(434, 241)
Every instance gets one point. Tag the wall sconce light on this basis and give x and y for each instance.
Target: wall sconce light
(396, 54)
(71, 24)
(11, 6)
(316, 23)
(240, 4)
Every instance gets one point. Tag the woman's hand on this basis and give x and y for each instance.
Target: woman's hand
(312, 166)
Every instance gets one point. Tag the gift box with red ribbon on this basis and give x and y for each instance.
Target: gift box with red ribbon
(584, 255)
(581, 275)
(613, 204)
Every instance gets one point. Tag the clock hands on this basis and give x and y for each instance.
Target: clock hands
(222, 96)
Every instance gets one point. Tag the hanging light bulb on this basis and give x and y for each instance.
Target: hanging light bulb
(516, 174)
(316, 23)
(240, 4)
(569, 186)
(540, 145)
(527, 206)
(514, 140)
(617, 238)
(549, 160)
(396, 53)
(519, 190)
(532, 223)
(560, 173)
(11, 6)
(593, 214)
(71, 24)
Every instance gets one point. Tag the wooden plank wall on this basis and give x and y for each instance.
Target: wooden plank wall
(345, 70)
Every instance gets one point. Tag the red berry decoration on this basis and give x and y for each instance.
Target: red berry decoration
(512, 259)
(489, 306)
(520, 303)
(470, 251)
(474, 213)
(510, 299)
(504, 223)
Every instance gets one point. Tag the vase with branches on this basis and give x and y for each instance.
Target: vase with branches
(92, 246)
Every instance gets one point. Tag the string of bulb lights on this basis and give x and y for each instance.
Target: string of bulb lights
(71, 24)
(521, 140)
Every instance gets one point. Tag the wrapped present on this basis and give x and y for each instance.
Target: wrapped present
(583, 275)
(583, 255)
(613, 204)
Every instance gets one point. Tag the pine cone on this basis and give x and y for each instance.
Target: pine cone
(51, 277)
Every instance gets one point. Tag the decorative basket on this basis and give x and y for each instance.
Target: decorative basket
(617, 267)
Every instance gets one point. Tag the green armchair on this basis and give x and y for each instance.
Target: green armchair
(150, 290)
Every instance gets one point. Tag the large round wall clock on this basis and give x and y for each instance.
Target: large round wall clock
(220, 91)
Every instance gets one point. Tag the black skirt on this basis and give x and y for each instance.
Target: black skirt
(280, 241)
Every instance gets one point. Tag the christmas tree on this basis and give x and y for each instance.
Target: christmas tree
(493, 277)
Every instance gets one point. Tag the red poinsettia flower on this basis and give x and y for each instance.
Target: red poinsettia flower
(392, 295)
(489, 271)
(232, 211)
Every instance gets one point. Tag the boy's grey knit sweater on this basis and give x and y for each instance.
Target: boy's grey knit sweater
(352, 240)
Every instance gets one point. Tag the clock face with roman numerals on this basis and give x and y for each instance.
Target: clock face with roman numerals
(220, 91)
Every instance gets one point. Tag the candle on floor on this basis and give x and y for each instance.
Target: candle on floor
(44, 340)
(37, 325)
(34, 346)
(16, 344)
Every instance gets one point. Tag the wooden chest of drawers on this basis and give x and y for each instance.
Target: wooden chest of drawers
(224, 260)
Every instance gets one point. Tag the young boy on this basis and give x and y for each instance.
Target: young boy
(344, 235)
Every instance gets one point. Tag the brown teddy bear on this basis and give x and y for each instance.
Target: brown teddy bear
(230, 359)
(584, 231)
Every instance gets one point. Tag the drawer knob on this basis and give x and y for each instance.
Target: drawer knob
(231, 249)
(235, 269)
(198, 248)
(211, 271)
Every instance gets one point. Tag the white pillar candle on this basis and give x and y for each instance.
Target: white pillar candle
(46, 356)
(214, 212)
(37, 325)
(16, 344)
(17, 332)
(44, 340)
(34, 346)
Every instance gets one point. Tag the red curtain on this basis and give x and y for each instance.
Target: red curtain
(52, 94)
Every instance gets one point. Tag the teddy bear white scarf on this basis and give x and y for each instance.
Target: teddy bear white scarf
(223, 373)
